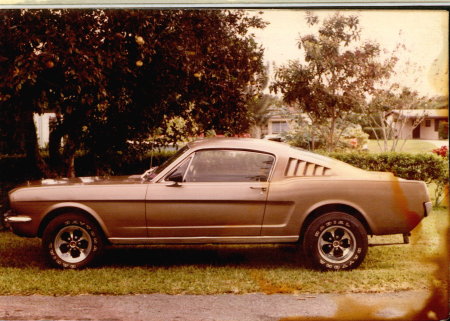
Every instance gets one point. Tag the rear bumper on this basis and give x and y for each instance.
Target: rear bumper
(19, 224)
(18, 219)
(428, 206)
(11, 217)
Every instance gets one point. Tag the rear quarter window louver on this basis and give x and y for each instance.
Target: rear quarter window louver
(297, 167)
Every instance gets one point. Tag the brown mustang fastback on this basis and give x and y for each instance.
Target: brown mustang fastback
(223, 191)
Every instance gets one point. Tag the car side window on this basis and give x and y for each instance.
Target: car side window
(229, 166)
(178, 174)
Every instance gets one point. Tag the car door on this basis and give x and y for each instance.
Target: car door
(212, 193)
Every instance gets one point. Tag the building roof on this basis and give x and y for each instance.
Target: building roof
(428, 113)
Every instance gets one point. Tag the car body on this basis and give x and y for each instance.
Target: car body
(223, 190)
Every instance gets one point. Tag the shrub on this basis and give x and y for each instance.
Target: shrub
(305, 137)
(378, 134)
(353, 138)
(441, 189)
(15, 168)
(442, 151)
(120, 164)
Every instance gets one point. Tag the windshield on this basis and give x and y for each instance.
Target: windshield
(152, 172)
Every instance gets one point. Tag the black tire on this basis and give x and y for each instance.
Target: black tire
(72, 241)
(335, 241)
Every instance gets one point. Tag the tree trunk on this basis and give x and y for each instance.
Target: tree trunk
(256, 131)
(313, 136)
(71, 166)
(331, 137)
(54, 146)
(69, 156)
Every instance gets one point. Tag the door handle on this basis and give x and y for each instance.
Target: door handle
(263, 189)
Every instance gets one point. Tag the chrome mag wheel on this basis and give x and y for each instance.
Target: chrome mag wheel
(336, 244)
(73, 244)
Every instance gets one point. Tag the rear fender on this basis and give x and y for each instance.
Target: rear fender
(339, 205)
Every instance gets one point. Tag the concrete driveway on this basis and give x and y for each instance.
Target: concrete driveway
(227, 307)
(438, 143)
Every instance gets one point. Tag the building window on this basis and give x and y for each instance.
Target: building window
(427, 122)
(436, 125)
(279, 127)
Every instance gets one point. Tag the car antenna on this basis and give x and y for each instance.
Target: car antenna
(151, 154)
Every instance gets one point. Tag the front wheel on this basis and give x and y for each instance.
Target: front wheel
(72, 241)
(335, 241)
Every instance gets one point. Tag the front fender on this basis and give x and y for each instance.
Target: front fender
(60, 208)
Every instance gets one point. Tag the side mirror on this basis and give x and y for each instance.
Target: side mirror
(173, 184)
(175, 177)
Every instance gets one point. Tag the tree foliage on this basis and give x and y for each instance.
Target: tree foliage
(337, 74)
(112, 76)
(261, 108)
(260, 105)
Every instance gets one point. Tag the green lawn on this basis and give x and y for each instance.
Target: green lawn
(410, 146)
(214, 269)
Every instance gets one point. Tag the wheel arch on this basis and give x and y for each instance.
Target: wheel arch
(334, 207)
(63, 208)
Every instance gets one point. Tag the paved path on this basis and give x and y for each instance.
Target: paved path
(438, 143)
(228, 307)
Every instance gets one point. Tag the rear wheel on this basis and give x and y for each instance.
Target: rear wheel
(335, 241)
(72, 241)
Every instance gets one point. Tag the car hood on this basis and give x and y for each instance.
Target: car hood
(89, 180)
(96, 188)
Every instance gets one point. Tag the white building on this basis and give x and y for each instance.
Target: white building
(417, 123)
(42, 123)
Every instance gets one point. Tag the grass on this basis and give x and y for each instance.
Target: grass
(216, 269)
(411, 146)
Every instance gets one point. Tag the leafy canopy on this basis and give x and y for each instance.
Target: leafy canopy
(337, 73)
(117, 75)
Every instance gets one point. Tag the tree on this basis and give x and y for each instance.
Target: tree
(337, 74)
(383, 104)
(117, 75)
(51, 63)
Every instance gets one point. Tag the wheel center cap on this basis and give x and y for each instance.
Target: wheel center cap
(73, 244)
(336, 243)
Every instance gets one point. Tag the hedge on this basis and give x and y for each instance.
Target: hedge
(424, 167)
(429, 168)
(14, 168)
